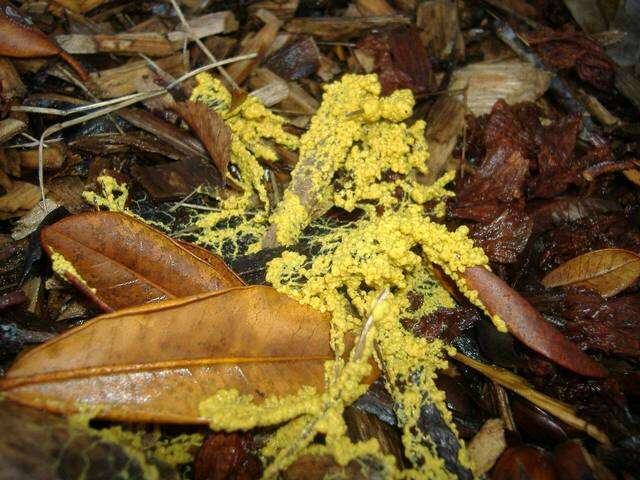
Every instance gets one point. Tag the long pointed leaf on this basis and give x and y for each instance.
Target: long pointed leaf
(527, 325)
(158, 362)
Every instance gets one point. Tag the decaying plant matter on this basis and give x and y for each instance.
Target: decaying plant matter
(388, 239)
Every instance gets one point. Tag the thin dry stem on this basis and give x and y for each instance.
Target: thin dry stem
(517, 384)
(118, 104)
(308, 432)
(202, 46)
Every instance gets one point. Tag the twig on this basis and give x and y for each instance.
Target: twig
(32, 138)
(519, 385)
(43, 110)
(307, 433)
(608, 167)
(185, 199)
(274, 186)
(202, 46)
(196, 207)
(337, 44)
(118, 104)
(368, 324)
(71, 111)
(502, 399)
(35, 143)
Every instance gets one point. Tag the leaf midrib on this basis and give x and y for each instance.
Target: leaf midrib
(62, 375)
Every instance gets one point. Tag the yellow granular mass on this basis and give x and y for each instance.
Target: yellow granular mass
(62, 266)
(252, 126)
(241, 219)
(379, 252)
(357, 149)
(360, 155)
(114, 198)
(175, 451)
(393, 251)
(235, 229)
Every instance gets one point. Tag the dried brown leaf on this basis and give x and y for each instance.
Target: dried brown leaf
(527, 325)
(505, 237)
(211, 129)
(21, 196)
(129, 263)
(175, 180)
(156, 363)
(20, 38)
(41, 446)
(501, 176)
(607, 271)
(560, 210)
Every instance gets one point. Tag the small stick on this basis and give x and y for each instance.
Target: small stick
(306, 435)
(202, 46)
(274, 186)
(503, 406)
(519, 385)
(128, 100)
(185, 199)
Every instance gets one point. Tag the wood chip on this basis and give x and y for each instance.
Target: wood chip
(53, 158)
(5, 181)
(283, 9)
(12, 86)
(589, 15)
(80, 6)
(22, 196)
(9, 163)
(149, 41)
(298, 59)
(341, 28)
(486, 446)
(30, 222)
(298, 99)
(258, 44)
(208, 25)
(10, 127)
(328, 68)
(440, 27)
(374, 8)
(485, 83)
(120, 81)
(445, 123)
(272, 93)
(153, 44)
